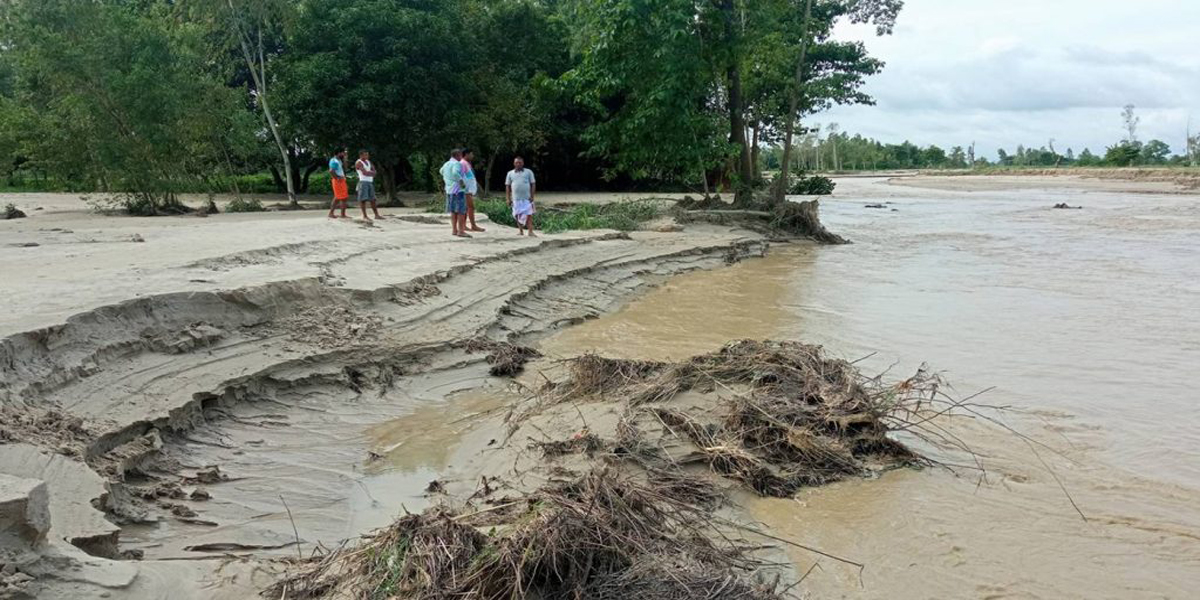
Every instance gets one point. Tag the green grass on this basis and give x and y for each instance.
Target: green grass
(242, 205)
(622, 216)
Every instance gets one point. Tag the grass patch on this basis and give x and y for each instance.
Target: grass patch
(241, 205)
(623, 216)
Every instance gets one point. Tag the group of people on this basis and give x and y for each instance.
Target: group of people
(458, 175)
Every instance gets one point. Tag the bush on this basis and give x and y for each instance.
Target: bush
(622, 216)
(242, 205)
(813, 186)
(150, 204)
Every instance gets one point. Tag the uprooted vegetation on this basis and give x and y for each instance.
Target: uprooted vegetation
(779, 416)
(642, 513)
(600, 536)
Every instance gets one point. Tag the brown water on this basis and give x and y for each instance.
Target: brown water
(1086, 322)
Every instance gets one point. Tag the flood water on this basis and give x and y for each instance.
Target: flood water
(1085, 322)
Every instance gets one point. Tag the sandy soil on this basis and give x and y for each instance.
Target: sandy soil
(1113, 183)
(171, 379)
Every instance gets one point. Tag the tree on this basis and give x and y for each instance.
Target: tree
(957, 158)
(672, 74)
(518, 52)
(116, 98)
(1155, 152)
(649, 77)
(389, 83)
(1131, 121)
(1087, 159)
(250, 25)
(1124, 154)
(816, 26)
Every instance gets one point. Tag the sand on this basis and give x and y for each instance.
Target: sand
(136, 351)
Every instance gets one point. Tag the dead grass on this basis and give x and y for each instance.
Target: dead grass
(602, 537)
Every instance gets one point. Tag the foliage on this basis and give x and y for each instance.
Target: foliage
(815, 185)
(242, 205)
(622, 216)
(115, 97)
(1124, 154)
(650, 80)
(391, 81)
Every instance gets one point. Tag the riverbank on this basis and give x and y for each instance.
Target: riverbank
(165, 378)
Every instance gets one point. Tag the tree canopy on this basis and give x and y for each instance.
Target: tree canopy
(150, 97)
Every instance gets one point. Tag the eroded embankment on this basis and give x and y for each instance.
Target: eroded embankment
(188, 414)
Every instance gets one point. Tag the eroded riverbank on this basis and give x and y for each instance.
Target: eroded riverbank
(211, 424)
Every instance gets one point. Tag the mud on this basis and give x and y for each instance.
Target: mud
(210, 424)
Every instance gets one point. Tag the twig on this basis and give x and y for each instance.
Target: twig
(296, 532)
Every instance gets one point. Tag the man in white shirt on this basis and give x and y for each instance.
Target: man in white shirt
(521, 186)
(366, 184)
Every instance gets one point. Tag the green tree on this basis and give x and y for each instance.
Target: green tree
(1087, 159)
(517, 51)
(647, 72)
(252, 31)
(1124, 154)
(1155, 152)
(813, 21)
(391, 81)
(115, 98)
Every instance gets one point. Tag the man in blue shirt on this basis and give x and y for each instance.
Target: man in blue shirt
(456, 197)
(337, 179)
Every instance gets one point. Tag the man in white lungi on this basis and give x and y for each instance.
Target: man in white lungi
(521, 188)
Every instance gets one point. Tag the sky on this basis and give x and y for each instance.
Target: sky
(1003, 73)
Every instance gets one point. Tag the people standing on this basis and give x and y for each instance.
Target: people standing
(366, 184)
(520, 187)
(456, 198)
(472, 187)
(337, 177)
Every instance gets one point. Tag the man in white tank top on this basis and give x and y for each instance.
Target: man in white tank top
(366, 184)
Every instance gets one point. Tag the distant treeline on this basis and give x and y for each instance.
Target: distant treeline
(834, 150)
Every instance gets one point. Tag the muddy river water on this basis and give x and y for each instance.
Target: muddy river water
(1085, 322)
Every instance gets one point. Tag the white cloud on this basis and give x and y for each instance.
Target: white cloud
(1027, 71)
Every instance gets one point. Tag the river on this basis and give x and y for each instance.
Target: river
(1083, 324)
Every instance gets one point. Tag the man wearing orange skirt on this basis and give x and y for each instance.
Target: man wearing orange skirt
(337, 177)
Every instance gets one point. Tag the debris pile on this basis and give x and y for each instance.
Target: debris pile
(600, 536)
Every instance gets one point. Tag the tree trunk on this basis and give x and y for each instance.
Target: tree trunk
(486, 188)
(754, 150)
(737, 135)
(308, 171)
(793, 106)
(280, 184)
(258, 72)
(743, 193)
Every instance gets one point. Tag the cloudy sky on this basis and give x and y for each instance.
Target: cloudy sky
(1010, 72)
